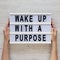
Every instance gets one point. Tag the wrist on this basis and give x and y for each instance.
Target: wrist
(6, 41)
(54, 43)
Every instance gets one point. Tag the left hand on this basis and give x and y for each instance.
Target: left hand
(6, 32)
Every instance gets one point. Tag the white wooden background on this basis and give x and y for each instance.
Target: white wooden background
(29, 52)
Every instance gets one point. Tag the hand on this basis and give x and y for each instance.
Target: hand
(6, 32)
(54, 33)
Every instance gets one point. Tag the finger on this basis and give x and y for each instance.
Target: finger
(52, 24)
(55, 30)
(8, 22)
(52, 33)
(52, 30)
(7, 25)
(4, 32)
(8, 30)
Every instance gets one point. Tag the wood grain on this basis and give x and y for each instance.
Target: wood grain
(30, 52)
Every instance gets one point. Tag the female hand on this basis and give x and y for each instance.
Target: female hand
(6, 32)
(54, 33)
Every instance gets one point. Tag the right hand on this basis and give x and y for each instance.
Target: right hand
(54, 33)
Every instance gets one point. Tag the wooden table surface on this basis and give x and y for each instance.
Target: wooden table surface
(29, 52)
